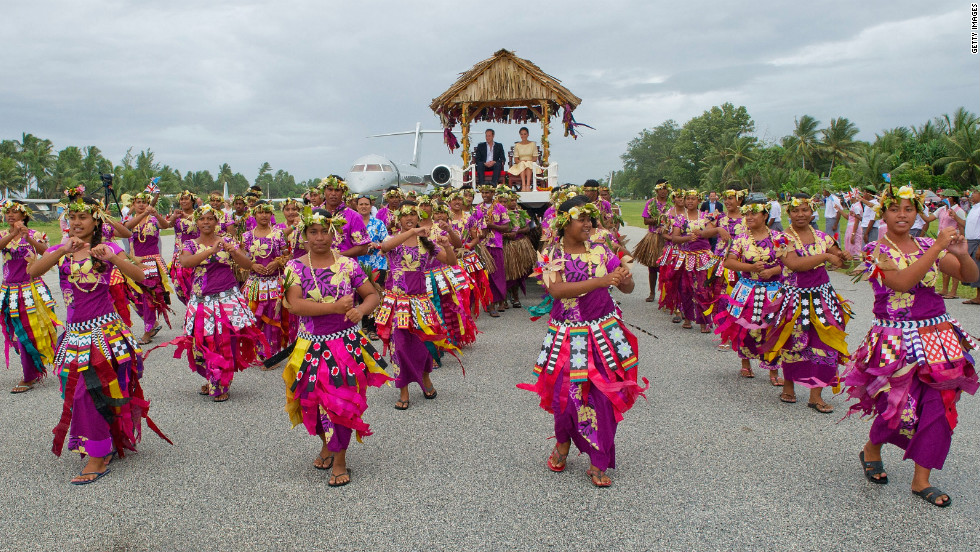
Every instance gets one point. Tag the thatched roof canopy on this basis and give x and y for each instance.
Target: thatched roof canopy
(503, 81)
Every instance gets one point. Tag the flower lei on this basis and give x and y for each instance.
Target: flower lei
(562, 219)
(890, 195)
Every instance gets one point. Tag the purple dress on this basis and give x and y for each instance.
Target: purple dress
(353, 234)
(154, 299)
(494, 242)
(103, 401)
(184, 229)
(914, 363)
(587, 366)
(333, 364)
(264, 292)
(27, 307)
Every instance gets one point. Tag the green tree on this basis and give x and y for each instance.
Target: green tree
(838, 141)
(648, 158)
(37, 159)
(803, 143)
(712, 131)
(962, 165)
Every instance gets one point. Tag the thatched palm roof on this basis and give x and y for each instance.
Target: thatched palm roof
(504, 80)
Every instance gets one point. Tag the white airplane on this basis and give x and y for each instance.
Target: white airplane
(373, 174)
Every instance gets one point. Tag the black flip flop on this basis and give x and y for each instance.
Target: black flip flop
(930, 494)
(347, 472)
(98, 476)
(429, 395)
(872, 469)
(399, 403)
(322, 460)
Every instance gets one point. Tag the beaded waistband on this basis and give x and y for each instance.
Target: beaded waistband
(818, 289)
(913, 324)
(329, 337)
(90, 325)
(584, 323)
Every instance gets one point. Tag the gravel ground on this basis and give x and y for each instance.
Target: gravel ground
(710, 461)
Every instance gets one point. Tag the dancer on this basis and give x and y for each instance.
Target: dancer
(406, 320)
(719, 280)
(476, 274)
(687, 273)
(806, 321)
(268, 251)
(740, 324)
(587, 367)
(490, 218)
(182, 221)
(292, 228)
(913, 365)
(853, 244)
(519, 255)
(98, 360)
(26, 303)
(652, 245)
(393, 199)
(220, 332)
(333, 364)
(447, 285)
(154, 296)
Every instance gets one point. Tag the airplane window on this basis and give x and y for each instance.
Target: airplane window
(357, 168)
(373, 168)
(387, 168)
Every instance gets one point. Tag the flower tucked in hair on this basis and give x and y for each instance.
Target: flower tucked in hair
(207, 209)
(97, 209)
(77, 191)
(755, 208)
(333, 183)
(405, 210)
(562, 219)
(8, 206)
(892, 195)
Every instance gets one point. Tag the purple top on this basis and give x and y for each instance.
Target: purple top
(146, 238)
(215, 274)
(266, 249)
(251, 223)
(497, 216)
(384, 215)
(16, 255)
(816, 276)
(596, 262)
(735, 226)
(747, 250)
(185, 229)
(661, 209)
(687, 226)
(86, 291)
(919, 303)
(325, 285)
(354, 232)
(406, 268)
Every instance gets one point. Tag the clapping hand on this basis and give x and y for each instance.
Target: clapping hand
(102, 252)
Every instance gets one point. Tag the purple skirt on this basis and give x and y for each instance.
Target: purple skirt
(923, 433)
(498, 278)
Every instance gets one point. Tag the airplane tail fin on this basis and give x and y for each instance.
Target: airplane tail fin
(417, 148)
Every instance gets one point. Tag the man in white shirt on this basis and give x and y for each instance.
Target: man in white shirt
(831, 212)
(868, 226)
(971, 231)
(775, 214)
(922, 221)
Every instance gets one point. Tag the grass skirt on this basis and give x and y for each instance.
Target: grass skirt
(265, 295)
(449, 291)
(327, 377)
(99, 364)
(520, 259)
(486, 258)
(649, 250)
(29, 321)
(895, 354)
(742, 321)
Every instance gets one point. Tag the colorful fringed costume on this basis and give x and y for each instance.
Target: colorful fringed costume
(27, 307)
(587, 366)
(100, 365)
(264, 292)
(686, 275)
(183, 278)
(449, 291)
(806, 321)
(477, 280)
(154, 296)
(720, 280)
(333, 364)
(407, 321)
(121, 289)
(741, 322)
(911, 368)
(494, 213)
(221, 335)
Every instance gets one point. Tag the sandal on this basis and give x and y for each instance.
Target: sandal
(930, 494)
(155, 331)
(676, 320)
(323, 462)
(333, 482)
(687, 325)
(373, 336)
(516, 304)
(823, 408)
(98, 476)
(205, 390)
(219, 398)
(494, 313)
(401, 405)
(871, 469)
(22, 387)
(430, 394)
(650, 299)
(776, 381)
(558, 466)
(787, 398)
(746, 373)
(596, 477)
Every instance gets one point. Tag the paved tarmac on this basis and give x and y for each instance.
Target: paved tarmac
(710, 461)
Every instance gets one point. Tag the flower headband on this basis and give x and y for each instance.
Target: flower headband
(737, 194)
(207, 209)
(143, 196)
(215, 195)
(454, 196)
(755, 208)
(799, 202)
(562, 219)
(890, 195)
(239, 198)
(662, 186)
(692, 193)
(187, 193)
(440, 207)
(424, 200)
(263, 208)
(488, 188)
(77, 191)
(391, 194)
(411, 210)
(8, 206)
(334, 223)
(97, 210)
(333, 183)
(292, 201)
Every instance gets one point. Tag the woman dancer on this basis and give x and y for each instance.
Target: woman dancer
(98, 360)
(154, 296)
(587, 367)
(331, 403)
(806, 320)
(182, 221)
(447, 285)
(652, 245)
(476, 274)
(267, 249)
(519, 255)
(292, 228)
(911, 368)
(490, 218)
(220, 332)
(740, 324)
(25, 303)
(406, 320)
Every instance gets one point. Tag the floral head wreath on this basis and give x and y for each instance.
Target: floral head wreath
(143, 196)
(503, 190)
(207, 209)
(562, 219)
(440, 207)
(8, 206)
(663, 186)
(77, 191)
(97, 209)
(263, 208)
(755, 208)
(298, 203)
(406, 210)
(391, 194)
(239, 198)
(454, 196)
(187, 193)
(799, 202)
(333, 183)
(487, 188)
(424, 200)
(334, 223)
(692, 193)
(737, 194)
(891, 195)
(215, 195)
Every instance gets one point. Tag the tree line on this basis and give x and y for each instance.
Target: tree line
(718, 150)
(31, 167)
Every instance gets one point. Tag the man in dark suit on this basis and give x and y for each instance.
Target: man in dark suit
(712, 205)
(489, 157)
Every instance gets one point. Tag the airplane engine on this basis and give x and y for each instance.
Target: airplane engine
(441, 175)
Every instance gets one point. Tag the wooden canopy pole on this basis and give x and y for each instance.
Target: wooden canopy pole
(545, 122)
(465, 124)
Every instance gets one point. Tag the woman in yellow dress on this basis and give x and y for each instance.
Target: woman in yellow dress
(525, 161)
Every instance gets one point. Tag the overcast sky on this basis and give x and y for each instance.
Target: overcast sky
(301, 83)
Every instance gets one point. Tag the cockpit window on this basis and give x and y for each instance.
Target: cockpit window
(373, 168)
(357, 168)
(387, 168)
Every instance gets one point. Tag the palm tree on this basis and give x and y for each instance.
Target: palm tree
(960, 119)
(803, 141)
(838, 141)
(963, 162)
(225, 176)
(739, 154)
(36, 158)
(872, 162)
(10, 176)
